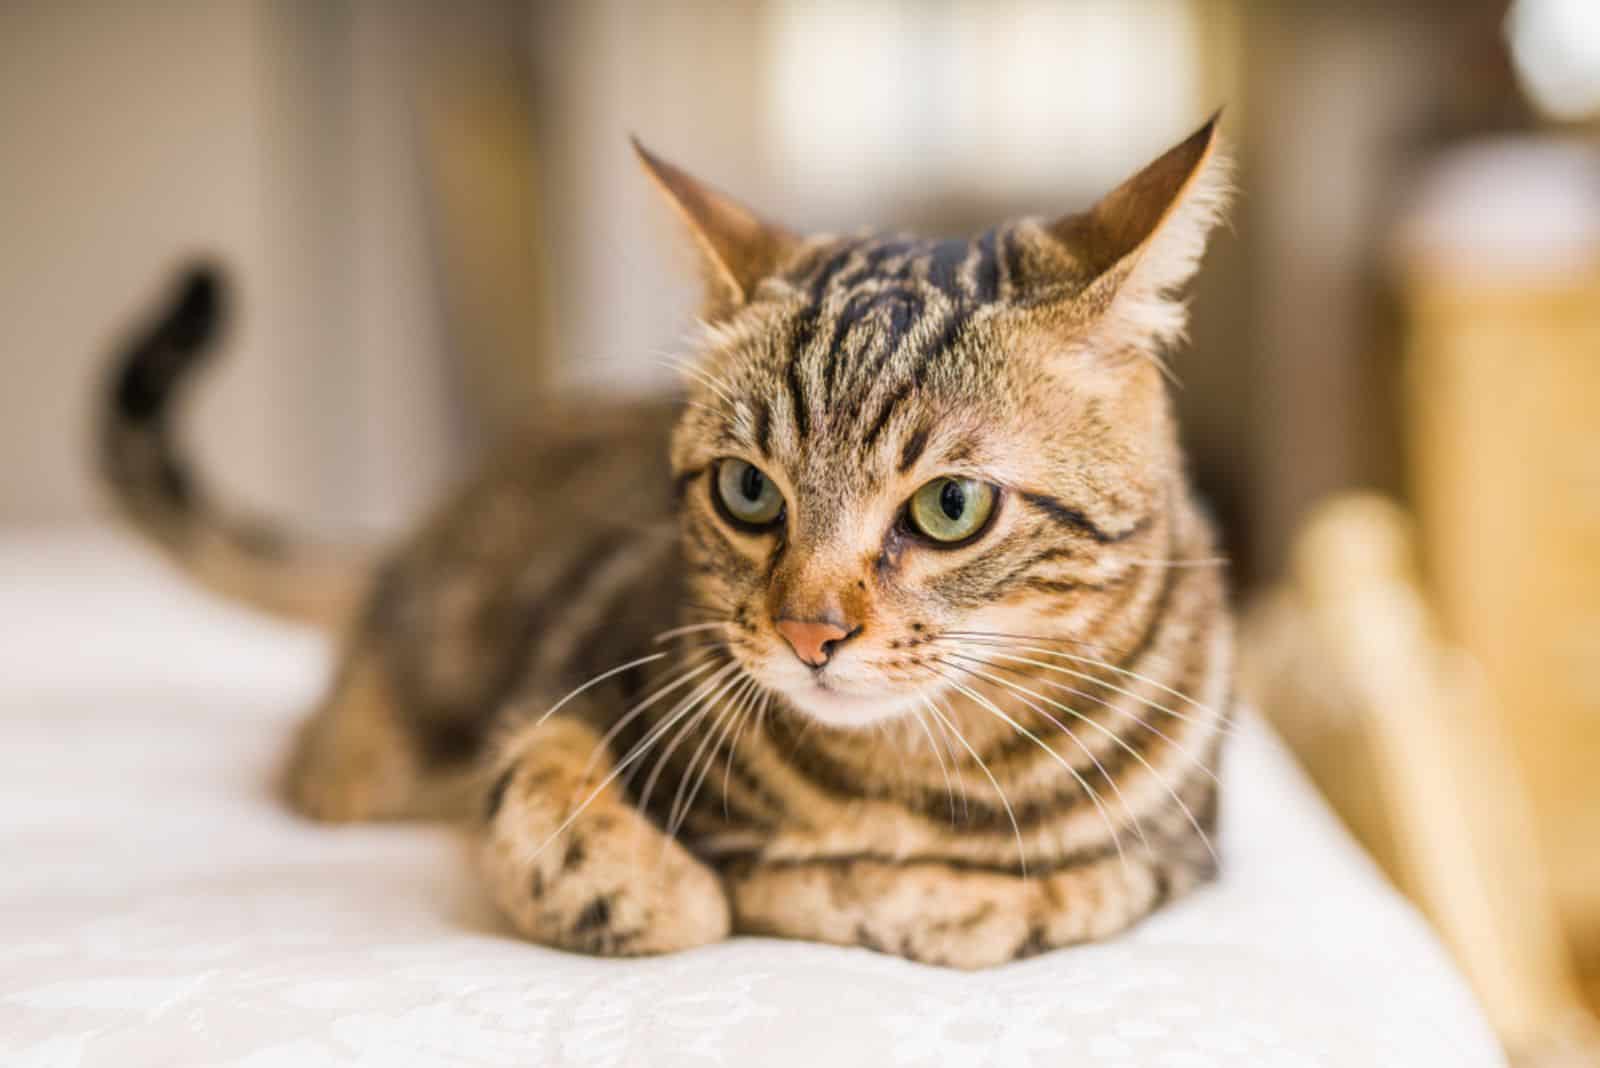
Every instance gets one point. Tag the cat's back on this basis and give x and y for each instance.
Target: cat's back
(557, 559)
(580, 471)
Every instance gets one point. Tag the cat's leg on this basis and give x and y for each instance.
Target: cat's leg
(354, 759)
(957, 916)
(601, 880)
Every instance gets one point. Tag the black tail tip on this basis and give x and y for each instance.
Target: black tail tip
(198, 310)
(152, 365)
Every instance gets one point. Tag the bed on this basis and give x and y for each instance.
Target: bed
(157, 907)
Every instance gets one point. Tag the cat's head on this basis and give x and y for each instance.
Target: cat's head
(894, 447)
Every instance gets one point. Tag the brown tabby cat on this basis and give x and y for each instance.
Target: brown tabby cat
(888, 635)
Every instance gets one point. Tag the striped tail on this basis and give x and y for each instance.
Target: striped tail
(154, 486)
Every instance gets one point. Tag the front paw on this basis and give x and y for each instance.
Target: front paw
(610, 883)
(927, 913)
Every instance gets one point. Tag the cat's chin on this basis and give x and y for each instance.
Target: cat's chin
(838, 707)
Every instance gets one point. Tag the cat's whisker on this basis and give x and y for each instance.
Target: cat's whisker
(755, 713)
(1216, 722)
(949, 787)
(668, 635)
(715, 614)
(718, 713)
(726, 717)
(1016, 829)
(950, 751)
(697, 669)
(1116, 839)
(633, 755)
(753, 697)
(704, 643)
(1204, 561)
(677, 360)
(1182, 805)
(597, 680)
(712, 599)
(705, 705)
(688, 712)
(1023, 695)
(1102, 702)
(800, 737)
(1082, 643)
(700, 375)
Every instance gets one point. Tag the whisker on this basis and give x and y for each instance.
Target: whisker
(692, 367)
(714, 737)
(801, 736)
(950, 751)
(597, 680)
(949, 788)
(705, 706)
(717, 712)
(755, 713)
(1116, 839)
(1016, 829)
(704, 665)
(715, 612)
(1101, 701)
(668, 635)
(1023, 694)
(691, 710)
(1218, 722)
(689, 370)
(704, 643)
(622, 765)
(1189, 815)
(1082, 643)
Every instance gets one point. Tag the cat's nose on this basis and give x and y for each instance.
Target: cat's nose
(814, 641)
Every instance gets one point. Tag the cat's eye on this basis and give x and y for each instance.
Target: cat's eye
(746, 495)
(950, 510)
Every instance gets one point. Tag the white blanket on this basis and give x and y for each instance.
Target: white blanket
(157, 907)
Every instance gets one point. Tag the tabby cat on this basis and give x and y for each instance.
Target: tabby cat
(899, 630)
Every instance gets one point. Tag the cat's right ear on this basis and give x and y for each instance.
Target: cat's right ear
(1128, 257)
(737, 248)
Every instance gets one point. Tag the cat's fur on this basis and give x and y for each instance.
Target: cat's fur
(1014, 749)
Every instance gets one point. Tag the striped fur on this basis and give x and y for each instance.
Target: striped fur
(1015, 749)
(158, 492)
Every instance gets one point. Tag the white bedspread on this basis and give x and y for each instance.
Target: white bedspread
(158, 908)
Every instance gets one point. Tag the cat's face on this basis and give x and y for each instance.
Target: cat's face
(896, 447)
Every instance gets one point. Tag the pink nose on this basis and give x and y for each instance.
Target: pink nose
(812, 642)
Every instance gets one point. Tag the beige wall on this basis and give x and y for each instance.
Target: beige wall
(134, 135)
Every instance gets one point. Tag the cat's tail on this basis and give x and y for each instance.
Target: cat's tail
(154, 485)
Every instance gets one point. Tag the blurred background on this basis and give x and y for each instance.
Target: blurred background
(432, 218)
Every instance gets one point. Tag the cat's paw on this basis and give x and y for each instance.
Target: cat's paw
(929, 913)
(325, 781)
(609, 883)
(349, 761)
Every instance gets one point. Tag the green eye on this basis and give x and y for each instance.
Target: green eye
(747, 495)
(951, 509)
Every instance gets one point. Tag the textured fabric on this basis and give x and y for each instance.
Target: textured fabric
(157, 907)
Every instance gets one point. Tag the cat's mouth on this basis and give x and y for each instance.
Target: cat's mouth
(842, 702)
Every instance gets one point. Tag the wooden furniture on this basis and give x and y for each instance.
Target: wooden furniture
(1450, 707)
(1401, 732)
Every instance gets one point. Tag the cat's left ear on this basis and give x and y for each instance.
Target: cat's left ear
(737, 248)
(1142, 242)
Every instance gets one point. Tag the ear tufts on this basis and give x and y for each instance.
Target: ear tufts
(738, 249)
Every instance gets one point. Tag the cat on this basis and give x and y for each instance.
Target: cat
(898, 630)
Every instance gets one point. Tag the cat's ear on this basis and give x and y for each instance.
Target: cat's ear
(1143, 241)
(737, 248)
